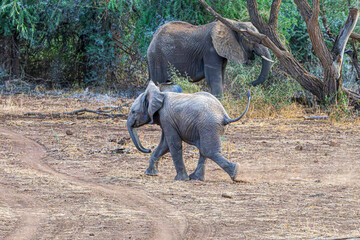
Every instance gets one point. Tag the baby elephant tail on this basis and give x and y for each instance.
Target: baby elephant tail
(229, 120)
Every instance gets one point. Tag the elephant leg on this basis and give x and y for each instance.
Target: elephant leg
(175, 145)
(199, 172)
(161, 149)
(210, 147)
(223, 68)
(213, 69)
(157, 70)
(229, 167)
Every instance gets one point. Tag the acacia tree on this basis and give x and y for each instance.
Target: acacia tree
(323, 87)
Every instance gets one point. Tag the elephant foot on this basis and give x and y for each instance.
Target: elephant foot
(182, 177)
(151, 172)
(196, 176)
(235, 177)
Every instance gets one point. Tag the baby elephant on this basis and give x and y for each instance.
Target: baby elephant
(198, 119)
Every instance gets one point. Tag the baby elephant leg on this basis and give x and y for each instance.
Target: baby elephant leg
(175, 146)
(161, 149)
(176, 153)
(229, 167)
(199, 173)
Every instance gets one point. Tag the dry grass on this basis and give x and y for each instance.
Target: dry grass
(260, 109)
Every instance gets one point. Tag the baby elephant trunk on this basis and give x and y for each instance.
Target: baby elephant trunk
(229, 120)
(135, 138)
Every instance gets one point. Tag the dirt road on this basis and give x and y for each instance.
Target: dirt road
(165, 222)
(302, 182)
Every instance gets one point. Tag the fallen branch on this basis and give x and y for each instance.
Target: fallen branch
(113, 108)
(305, 180)
(353, 96)
(316, 117)
(77, 113)
(82, 111)
(99, 111)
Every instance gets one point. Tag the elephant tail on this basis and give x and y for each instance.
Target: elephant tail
(229, 120)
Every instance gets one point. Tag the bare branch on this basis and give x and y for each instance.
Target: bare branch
(270, 30)
(113, 108)
(81, 111)
(315, 10)
(355, 36)
(121, 46)
(106, 113)
(254, 13)
(315, 33)
(343, 37)
(304, 8)
(274, 13)
(77, 113)
(326, 26)
(353, 54)
(354, 97)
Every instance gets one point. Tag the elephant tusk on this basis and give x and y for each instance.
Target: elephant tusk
(267, 59)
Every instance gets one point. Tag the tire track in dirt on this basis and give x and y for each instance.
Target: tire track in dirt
(167, 223)
(31, 214)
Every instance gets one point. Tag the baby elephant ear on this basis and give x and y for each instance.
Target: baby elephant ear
(155, 99)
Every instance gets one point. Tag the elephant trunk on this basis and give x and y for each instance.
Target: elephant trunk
(266, 64)
(135, 138)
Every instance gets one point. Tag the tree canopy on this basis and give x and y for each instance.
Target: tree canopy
(103, 42)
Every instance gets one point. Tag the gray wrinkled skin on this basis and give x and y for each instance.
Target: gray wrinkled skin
(198, 119)
(202, 52)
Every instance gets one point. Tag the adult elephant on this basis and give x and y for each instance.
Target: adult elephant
(202, 52)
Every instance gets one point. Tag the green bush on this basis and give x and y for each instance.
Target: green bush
(183, 81)
(278, 90)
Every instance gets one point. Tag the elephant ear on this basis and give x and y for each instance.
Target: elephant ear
(226, 44)
(155, 99)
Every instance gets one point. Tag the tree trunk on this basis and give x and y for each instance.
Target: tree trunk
(10, 55)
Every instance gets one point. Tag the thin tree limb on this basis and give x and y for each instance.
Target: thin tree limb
(326, 26)
(274, 13)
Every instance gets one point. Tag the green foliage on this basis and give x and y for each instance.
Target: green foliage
(19, 16)
(184, 82)
(103, 42)
(75, 38)
(277, 91)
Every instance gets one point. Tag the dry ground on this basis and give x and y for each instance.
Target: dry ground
(301, 180)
